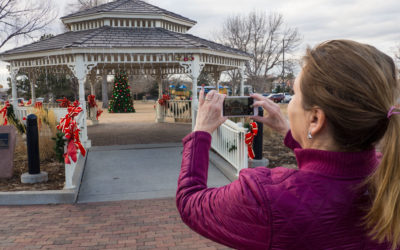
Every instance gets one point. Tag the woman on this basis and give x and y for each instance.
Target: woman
(342, 196)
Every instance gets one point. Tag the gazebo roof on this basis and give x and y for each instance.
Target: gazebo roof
(112, 37)
(128, 6)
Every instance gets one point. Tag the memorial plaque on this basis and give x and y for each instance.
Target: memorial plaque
(7, 146)
(4, 140)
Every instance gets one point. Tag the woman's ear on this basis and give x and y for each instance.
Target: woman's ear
(317, 121)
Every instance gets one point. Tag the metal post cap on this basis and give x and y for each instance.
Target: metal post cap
(31, 120)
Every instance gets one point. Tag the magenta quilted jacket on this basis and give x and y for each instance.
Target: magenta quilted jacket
(315, 207)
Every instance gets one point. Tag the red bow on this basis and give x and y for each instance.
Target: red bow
(92, 101)
(64, 103)
(38, 105)
(70, 128)
(249, 139)
(76, 103)
(98, 113)
(4, 112)
(29, 102)
(164, 100)
(92, 104)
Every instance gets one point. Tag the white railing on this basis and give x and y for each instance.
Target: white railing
(178, 109)
(229, 142)
(50, 105)
(21, 112)
(71, 168)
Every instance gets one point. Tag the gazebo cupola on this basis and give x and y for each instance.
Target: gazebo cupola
(127, 13)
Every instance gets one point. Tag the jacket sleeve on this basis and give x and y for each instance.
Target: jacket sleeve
(232, 215)
(290, 142)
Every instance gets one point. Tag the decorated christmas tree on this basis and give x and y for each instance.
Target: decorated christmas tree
(121, 99)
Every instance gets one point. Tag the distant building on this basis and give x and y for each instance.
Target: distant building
(3, 94)
(283, 83)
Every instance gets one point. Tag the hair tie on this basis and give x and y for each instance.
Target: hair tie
(392, 112)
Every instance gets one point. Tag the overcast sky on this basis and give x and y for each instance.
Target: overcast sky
(369, 21)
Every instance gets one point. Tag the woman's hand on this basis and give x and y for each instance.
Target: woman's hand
(209, 115)
(274, 119)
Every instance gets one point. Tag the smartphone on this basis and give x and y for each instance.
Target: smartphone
(239, 106)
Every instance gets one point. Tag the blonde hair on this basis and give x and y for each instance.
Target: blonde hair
(356, 85)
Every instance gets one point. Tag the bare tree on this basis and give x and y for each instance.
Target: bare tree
(263, 36)
(23, 19)
(88, 4)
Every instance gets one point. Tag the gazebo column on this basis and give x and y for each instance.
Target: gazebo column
(32, 80)
(83, 126)
(160, 109)
(104, 90)
(241, 72)
(13, 74)
(194, 67)
(93, 110)
(92, 82)
(217, 76)
(81, 69)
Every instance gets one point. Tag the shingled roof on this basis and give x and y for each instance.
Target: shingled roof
(107, 37)
(128, 6)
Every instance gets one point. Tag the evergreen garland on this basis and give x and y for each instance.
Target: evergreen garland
(121, 99)
(21, 128)
(59, 146)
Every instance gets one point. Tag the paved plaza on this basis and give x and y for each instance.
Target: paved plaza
(140, 224)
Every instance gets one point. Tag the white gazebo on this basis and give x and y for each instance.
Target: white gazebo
(129, 35)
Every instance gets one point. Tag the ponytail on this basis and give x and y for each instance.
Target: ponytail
(383, 218)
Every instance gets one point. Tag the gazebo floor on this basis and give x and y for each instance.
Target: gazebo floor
(135, 128)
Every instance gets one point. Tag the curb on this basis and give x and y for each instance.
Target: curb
(225, 167)
(64, 196)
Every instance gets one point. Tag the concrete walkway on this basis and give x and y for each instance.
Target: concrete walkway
(132, 172)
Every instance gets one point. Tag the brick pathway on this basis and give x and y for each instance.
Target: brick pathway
(140, 224)
(145, 224)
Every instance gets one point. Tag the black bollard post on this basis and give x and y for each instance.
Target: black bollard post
(258, 140)
(32, 141)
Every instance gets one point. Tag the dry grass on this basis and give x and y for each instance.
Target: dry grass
(47, 129)
(268, 132)
(47, 123)
(274, 149)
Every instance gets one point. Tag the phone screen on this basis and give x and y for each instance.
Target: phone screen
(238, 106)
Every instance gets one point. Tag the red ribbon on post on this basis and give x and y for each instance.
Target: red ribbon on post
(38, 105)
(99, 111)
(93, 104)
(92, 101)
(164, 99)
(64, 103)
(4, 112)
(70, 128)
(249, 138)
